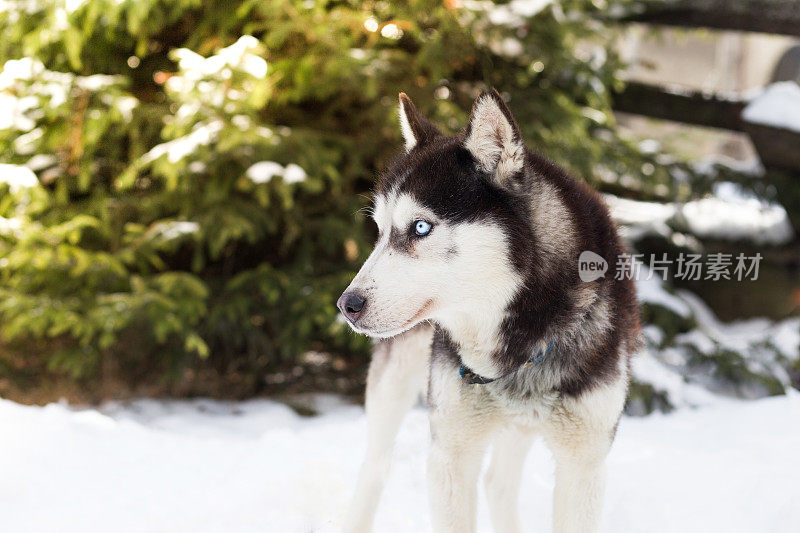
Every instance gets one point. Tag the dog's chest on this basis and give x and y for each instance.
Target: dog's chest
(522, 403)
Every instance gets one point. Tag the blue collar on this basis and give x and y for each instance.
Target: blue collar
(468, 376)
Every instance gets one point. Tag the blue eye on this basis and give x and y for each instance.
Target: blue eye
(422, 228)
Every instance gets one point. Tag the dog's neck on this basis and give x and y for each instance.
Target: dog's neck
(484, 335)
(478, 338)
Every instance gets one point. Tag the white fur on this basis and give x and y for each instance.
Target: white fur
(460, 435)
(579, 434)
(503, 478)
(491, 140)
(397, 375)
(459, 275)
(577, 430)
(405, 127)
(464, 269)
(398, 285)
(483, 283)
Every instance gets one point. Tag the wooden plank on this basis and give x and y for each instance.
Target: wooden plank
(766, 16)
(777, 147)
(689, 107)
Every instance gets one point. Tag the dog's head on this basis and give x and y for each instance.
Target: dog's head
(449, 217)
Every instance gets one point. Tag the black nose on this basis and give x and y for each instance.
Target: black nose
(351, 304)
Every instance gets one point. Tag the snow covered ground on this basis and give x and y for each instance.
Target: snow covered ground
(206, 466)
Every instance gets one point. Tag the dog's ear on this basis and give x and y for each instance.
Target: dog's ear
(417, 130)
(493, 138)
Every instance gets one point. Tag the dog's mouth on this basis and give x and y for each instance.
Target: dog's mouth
(420, 316)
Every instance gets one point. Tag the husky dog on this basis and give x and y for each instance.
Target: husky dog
(474, 290)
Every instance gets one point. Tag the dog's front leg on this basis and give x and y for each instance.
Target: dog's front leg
(454, 465)
(397, 375)
(579, 489)
(460, 434)
(580, 434)
(509, 449)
